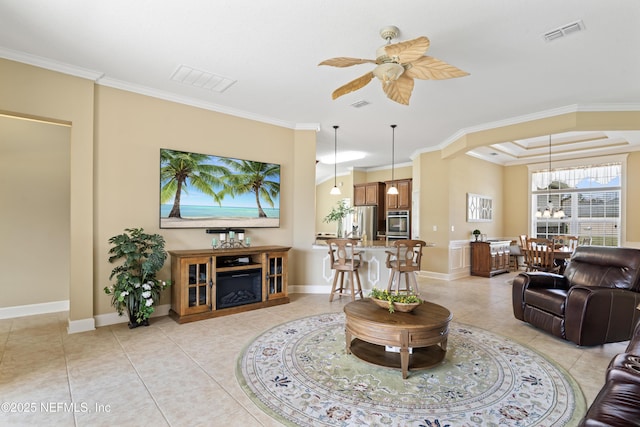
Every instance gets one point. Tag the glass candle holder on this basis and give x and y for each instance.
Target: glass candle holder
(247, 241)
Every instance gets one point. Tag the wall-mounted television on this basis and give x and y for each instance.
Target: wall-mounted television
(207, 191)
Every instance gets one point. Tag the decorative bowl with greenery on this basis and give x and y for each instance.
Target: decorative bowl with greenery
(395, 301)
(337, 214)
(476, 233)
(136, 289)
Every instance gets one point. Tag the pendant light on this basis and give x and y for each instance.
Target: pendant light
(549, 212)
(393, 189)
(335, 191)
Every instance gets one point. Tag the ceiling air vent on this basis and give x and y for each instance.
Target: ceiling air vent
(359, 104)
(565, 30)
(201, 79)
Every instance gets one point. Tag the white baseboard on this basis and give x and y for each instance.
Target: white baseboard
(33, 309)
(82, 325)
(302, 289)
(114, 318)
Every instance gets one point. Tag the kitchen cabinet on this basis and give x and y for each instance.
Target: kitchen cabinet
(402, 200)
(369, 194)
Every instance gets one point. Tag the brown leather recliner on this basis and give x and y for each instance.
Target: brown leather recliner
(618, 402)
(593, 302)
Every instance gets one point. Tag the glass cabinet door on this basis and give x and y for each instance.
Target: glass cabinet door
(197, 284)
(276, 275)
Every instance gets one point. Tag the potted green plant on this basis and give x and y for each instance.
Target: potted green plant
(476, 233)
(136, 289)
(337, 214)
(395, 301)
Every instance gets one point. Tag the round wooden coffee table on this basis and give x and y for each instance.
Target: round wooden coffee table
(369, 329)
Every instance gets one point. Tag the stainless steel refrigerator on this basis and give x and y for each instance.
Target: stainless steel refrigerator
(365, 221)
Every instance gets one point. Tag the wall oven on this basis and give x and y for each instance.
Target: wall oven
(398, 225)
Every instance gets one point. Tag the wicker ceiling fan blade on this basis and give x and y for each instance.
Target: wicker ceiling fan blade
(353, 85)
(344, 61)
(430, 68)
(408, 51)
(399, 90)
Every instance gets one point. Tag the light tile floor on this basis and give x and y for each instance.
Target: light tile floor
(184, 375)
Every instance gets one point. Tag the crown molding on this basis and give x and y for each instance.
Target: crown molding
(99, 78)
(49, 64)
(167, 96)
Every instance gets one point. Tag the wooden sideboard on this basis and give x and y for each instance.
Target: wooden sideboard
(490, 258)
(215, 282)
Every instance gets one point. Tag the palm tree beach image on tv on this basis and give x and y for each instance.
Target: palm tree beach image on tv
(206, 191)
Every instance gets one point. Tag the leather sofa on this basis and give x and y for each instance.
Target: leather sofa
(593, 302)
(618, 402)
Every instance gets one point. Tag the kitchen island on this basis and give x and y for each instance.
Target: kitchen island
(373, 271)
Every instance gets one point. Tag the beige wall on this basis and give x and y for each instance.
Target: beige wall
(516, 197)
(34, 92)
(444, 185)
(433, 208)
(382, 175)
(632, 225)
(34, 220)
(470, 175)
(131, 129)
(303, 205)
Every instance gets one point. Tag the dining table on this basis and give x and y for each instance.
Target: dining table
(561, 254)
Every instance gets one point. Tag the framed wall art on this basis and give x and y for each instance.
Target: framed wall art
(479, 208)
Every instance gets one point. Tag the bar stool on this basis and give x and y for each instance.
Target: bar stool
(405, 259)
(345, 259)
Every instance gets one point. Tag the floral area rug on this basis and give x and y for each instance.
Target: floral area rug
(300, 374)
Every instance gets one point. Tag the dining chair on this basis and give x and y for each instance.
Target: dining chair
(515, 253)
(584, 240)
(404, 259)
(523, 240)
(539, 255)
(568, 243)
(345, 258)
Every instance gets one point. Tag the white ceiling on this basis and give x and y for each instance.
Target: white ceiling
(271, 50)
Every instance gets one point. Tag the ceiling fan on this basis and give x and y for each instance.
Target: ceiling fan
(397, 65)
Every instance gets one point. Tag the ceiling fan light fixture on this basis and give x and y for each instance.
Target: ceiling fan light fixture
(392, 60)
(388, 71)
